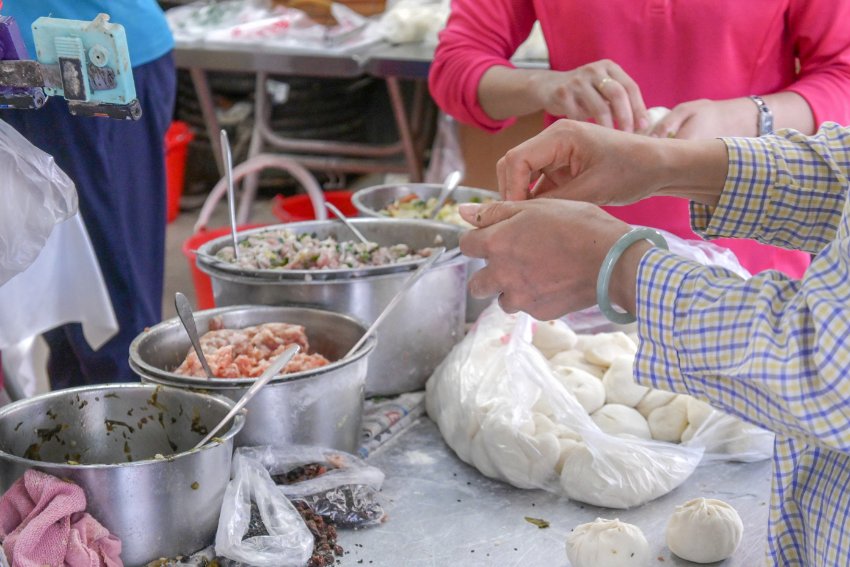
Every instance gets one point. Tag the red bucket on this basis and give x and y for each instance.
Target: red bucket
(300, 208)
(203, 284)
(177, 140)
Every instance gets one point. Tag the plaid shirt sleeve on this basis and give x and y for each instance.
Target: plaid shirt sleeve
(771, 350)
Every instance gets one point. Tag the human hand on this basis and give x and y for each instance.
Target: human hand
(543, 256)
(702, 119)
(600, 91)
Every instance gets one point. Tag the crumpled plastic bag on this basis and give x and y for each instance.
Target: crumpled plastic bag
(289, 541)
(414, 21)
(35, 194)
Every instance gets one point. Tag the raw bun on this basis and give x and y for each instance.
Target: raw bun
(620, 385)
(575, 359)
(603, 348)
(698, 414)
(552, 337)
(617, 419)
(667, 423)
(654, 399)
(704, 530)
(656, 113)
(607, 543)
(586, 388)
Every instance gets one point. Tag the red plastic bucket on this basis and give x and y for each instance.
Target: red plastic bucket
(300, 208)
(177, 140)
(202, 282)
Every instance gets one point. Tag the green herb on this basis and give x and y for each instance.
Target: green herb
(537, 522)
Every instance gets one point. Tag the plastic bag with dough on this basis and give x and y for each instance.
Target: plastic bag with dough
(587, 389)
(617, 419)
(602, 348)
(607, 543)
(698, 413)
(704, 530)
(576, 359)
(567, 447)
(654, 399)
(667, 423)
(552, 337)
(620, 385)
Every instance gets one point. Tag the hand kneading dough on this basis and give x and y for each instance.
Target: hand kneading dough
(704, 530)
(607, 543)
(617, 419)
(601, 349)
(654, 399)
(667, 423)
(575, 359)
(620, 385)
(586, 388)
(552, 337)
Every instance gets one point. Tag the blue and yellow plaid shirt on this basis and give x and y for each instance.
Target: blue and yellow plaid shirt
(771, 350)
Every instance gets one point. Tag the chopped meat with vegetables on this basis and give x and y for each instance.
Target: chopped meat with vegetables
(412, 206)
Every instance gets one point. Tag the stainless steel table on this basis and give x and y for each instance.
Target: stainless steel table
(442, 512)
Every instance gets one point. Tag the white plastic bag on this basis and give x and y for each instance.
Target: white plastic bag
(446, 155)
(35, 195)
(289, 542)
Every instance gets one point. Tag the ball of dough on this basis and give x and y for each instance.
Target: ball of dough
(654, 399)
(552, 337)
(617, 419)
(607, 543)
(704, 530)
(575, 359)
(667, 423)
(620, 385)
(602, 348)
(586, 388)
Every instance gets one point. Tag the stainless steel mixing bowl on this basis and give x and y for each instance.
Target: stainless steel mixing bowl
(157, 507)
(370, 201)
(323, 406)
(412, 340)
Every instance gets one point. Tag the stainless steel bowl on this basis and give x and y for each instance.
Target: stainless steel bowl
(157, 507)
(412, 340)
(322, 407)
(370, 201)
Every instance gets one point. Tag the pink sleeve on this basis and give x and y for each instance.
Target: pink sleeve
(478, 35)
(820, 31)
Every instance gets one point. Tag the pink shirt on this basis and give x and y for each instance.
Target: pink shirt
(676, 51)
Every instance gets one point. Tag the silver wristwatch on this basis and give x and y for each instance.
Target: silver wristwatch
(765, 116)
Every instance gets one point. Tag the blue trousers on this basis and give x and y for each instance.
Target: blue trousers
(119, 171)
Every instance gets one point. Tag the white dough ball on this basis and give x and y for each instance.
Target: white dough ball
(602, 348)
(587, 389)
(654, 399)
(568, 446)
(575, 359)
(620, 385)
(667, 423)
(617, 419)
(656, 113)
(552, 337)
(704, 530)
(698, 412)
(607, 543)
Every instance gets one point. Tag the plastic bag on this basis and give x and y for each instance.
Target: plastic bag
(446, 155)
(414, 21)
(36, 195)
(346, 493)
(289, 541)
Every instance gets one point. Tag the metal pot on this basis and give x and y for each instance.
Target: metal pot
(323, 406)
(412, 340)
(157, 507)
(370, 201)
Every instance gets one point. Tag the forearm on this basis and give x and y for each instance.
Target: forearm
(505, 92)
(790, 110)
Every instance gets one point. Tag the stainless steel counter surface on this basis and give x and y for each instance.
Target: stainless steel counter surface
(442, 512)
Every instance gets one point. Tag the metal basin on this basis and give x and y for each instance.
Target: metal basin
(322, 407)
(412, 340)
(157, 507)
(369, 201)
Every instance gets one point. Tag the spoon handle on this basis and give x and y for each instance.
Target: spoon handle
(273, 370)
(339, 214)
(227, 158)
(449, 186)
(184, 311)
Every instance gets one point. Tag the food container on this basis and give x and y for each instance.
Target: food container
(369, 201)
(157, 507)
(323, 406)
(414, 338)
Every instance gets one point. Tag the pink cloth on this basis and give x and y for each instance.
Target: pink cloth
(676, 51)
(43, 522)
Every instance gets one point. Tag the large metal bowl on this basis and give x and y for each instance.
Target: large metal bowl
(414, 338)
(323, 406)
(370, 201)
(157, 507)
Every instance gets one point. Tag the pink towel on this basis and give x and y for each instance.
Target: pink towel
(43, 522)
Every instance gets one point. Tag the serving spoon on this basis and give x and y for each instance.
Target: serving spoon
(227, 158)
(184, 312)
(449, 185)
(273, 370)
(341, 216)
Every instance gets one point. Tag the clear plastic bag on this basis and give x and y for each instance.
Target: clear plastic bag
(35, 195)
(446, 154)
(288, 540)
(346, 493)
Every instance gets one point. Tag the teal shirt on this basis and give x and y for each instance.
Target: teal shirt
(148, 34)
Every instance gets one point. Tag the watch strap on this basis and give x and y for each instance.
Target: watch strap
(765, 118)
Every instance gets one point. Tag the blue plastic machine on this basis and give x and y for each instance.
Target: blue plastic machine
(87, 63)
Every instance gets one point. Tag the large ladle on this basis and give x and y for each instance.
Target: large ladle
(184, 312)
(408, 283)
(449, 185)
(273, 370)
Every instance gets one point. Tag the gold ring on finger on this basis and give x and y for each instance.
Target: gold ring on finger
(601, 84)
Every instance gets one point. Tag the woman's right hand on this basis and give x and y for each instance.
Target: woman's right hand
(600, 91)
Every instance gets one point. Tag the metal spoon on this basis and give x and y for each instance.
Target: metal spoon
(339, 214)
(227, 158)
(273, 370)
(408, 283)
(449, 185)
(184, 311)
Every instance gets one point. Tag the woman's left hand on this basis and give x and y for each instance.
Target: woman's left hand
(704, 119)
